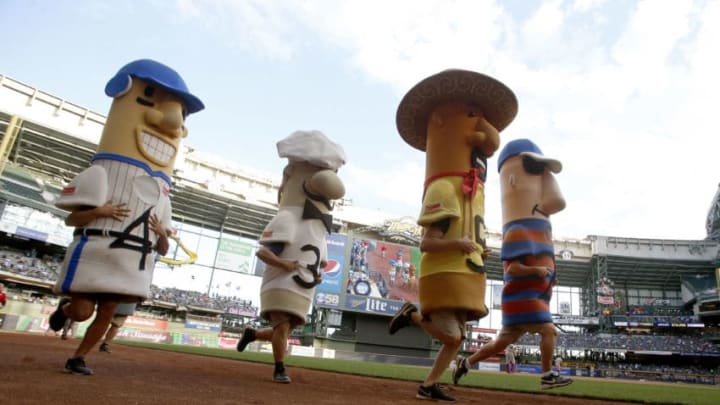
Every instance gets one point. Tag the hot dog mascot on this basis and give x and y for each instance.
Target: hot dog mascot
(294, 249)
(530, 195)
(454, 116)
(120, 205)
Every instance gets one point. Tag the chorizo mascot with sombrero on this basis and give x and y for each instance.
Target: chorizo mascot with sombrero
(120, 205)
(455, 117)
(293, 244)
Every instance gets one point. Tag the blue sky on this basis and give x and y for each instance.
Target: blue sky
(624, 93)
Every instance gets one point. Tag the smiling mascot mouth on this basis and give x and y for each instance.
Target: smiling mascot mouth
(156, 149)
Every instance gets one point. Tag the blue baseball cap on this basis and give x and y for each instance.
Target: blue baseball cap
(526, 147)
(157, 73)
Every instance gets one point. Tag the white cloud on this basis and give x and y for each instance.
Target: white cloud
(376, 188)
(629, 109)
(586, 5)
(262, 26)
(545, 22)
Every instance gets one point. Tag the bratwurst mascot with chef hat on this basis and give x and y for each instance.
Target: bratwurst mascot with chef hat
(455, 117)
(294, 248)
(120, 205)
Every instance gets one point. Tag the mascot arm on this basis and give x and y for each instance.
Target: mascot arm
(267, 254)
(277, 233)
(280, 229)
(163, 227)
(434, 239)
(88, 189)
(441, 205)
(82, 216)
(518, 269)
(440, 202)
(162, 245)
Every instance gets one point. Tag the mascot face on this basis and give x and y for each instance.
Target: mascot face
(459, 138)
(529, 190)
(302, 180)
(145, 123)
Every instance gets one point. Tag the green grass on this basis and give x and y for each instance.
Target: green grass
(608, 389)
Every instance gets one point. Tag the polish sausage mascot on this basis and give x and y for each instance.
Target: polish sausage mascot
(120, 205)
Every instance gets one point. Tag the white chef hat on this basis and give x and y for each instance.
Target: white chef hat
(312, 147)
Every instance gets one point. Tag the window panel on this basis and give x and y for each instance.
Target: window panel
(207, 249)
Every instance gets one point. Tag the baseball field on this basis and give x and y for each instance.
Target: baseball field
(31, 372)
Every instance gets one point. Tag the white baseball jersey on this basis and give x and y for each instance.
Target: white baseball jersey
(279, 292)
(120, 261)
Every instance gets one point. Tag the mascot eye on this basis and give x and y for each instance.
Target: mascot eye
(472, 114)
(532, 166)
(149, 91)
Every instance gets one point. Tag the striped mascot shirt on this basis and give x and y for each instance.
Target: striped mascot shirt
(525, 299)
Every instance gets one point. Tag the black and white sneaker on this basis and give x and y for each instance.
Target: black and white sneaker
(57, 319)
(105, 348)
(554, 380)
(281, 377)
(433, 393)
(402, 318)
(77, 366)
(461, 368)
(248, 337)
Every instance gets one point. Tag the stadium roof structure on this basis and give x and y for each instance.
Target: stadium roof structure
(43, 159)
(53, 140)
(626, 272)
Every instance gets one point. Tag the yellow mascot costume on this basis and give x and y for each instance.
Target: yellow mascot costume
(454, 116)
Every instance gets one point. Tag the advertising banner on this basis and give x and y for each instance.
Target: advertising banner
(242, 309)
(605, 300)
(235, 255)
(485, 366)
(333, 272)
(374, 305)
(143, 335)
(203, 325)
(323, 299)
(192, 340)
(33, 224)
(381, 276)
(227, 343)
(31, 324)
(146, 323)
(31, 233)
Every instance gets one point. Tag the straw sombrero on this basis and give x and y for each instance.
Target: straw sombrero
(496, 100)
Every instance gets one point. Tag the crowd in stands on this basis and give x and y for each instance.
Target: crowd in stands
(629, 342)
(652, 314)
(655, 368)
(202, 300)
(658, 310)
(47, 269)
(26, 265)
(667, 373)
